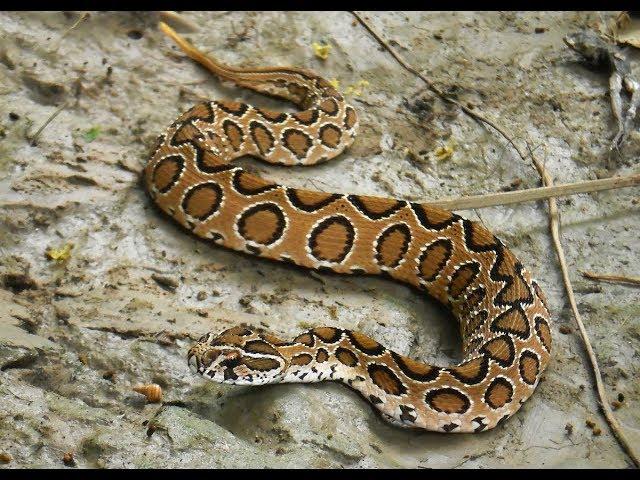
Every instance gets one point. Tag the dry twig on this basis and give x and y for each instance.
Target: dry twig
(555, 233)
(533, 194)
(611, 278)
(82, 18)
(47, 122)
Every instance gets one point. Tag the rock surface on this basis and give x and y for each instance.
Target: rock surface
(77, 334)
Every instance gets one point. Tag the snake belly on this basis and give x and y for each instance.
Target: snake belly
(503, 319)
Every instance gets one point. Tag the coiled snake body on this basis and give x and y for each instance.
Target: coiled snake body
(501, 311)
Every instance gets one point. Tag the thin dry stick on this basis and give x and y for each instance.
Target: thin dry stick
(47, 122)
(553, 220)
(604, 403)
(611, 278)
(532, 194)
(82, 18)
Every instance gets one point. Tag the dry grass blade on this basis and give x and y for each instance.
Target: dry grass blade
(533, 194)
(34, 138)
(612, 278)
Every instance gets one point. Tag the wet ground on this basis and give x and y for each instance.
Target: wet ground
(77, 334)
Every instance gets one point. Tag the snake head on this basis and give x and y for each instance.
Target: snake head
(238, 356)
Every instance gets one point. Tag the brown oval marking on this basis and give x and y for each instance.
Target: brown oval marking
(233, 133)
(543, 332)
(239, 330)
(272, 116)
(329, 106)
(234, 108)
(185, 133)
(248, 184)
(328, 334)
(260, 346)
(513, 321)
(203, 200)
(462, 278)
(365, 343)
(305, 339)
(415, 370)
(529, 367)
(167, 172)
(478, 238)
(350, 118)
(297, 142)
(434, 258)
(471, 372)
(346, 357)
(209, 162)
(202, 111)
(302, 359)
(322, 356)
(499, 393)
(228, 337)
(501, 349)
(447, 400)
(433, 218)
(310, 201)
(384, 378)
(392, 245)
(307, 117)
(516, 289)
(330, 136)
(376, 208)
(262, 137)
(261, 364)
(263, 223)
(332, 239)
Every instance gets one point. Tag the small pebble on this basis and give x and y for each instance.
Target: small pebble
(540, 29)
(596, 432)
(13, 116)
(621, 397)
(590, 423)
(5, 457)
(168, 283)
(68, 459)
(202, 295)
(152, 391)
(616, 404)
(568, 428)
(564, 329)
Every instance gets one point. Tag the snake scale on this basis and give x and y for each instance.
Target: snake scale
(503, 319)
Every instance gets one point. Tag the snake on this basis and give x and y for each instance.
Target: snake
(501, 311)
